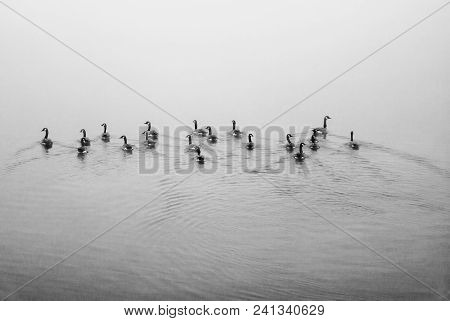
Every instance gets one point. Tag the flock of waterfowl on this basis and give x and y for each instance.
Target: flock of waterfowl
(151, 138)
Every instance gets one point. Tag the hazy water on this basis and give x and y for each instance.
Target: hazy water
(234, 233)
(244, 230)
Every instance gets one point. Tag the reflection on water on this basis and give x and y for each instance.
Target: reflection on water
(233, 228)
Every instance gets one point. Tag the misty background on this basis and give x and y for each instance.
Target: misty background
(221, 60)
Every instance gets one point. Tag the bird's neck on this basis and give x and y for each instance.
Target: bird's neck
(249, 139)
(195, 125)
(104, 129)
(325, 122)
(190, 140)
(84, 134)
(351, 136)
(46, 134)
(210, 131)
(125, 141)
(288, 139)
(301, 149)
(234, 126)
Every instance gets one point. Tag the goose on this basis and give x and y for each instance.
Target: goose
(153, 133)
(199, 158)
(86, 141)
(198, 131)
(211, 138)
(314, 141)
(235, 132)
(105, 134)
(148, 141)
(314, 138)
(83, 149)
(46, 142)
(352, 144)
(290, 145)
(192, 147)
(126, 147)
(250, 144)
(300, 156)
(323, 129)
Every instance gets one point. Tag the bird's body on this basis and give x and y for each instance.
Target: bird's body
(198, 131)
(323, 130)
(314, 138)
(211, 138)
(300, 156)
(86, 141)
(235, 132)
(290, 145)
(314, 146)
(150, 143)
(151, 132)
(82, 149)
(352, 144)
(250, 145)
(192, 147)
(46, 142)
(105, 134)
(126, 147)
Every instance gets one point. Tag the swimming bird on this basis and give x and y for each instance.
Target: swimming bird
(148, 141)
(211, 138)
(83, 149)
(300, 155)
(235, 132)
(86, 141)
(314, 141)
(192, 147)
(198, 131)
(352, 144)
(46, 142)
(105, 134)
(323, 129)
(153, 133)
(314, 138)
(250, 144)
(126, 147)
(290, 145)
(199, 158)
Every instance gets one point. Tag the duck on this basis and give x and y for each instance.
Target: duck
(46, 142)
(126, 147)
(323, 129)
(211, 138)
(151, 132)
(352, 144)
(148, 141)
(105, 134)
(250, 144)
(199, 158)
(235, 132)
(198, 131)
(300, 156)
(82, 149)
(86, 141)
(290, 145)
(192, 147)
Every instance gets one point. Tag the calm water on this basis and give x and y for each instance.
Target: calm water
(237, 232)
(366, 225)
